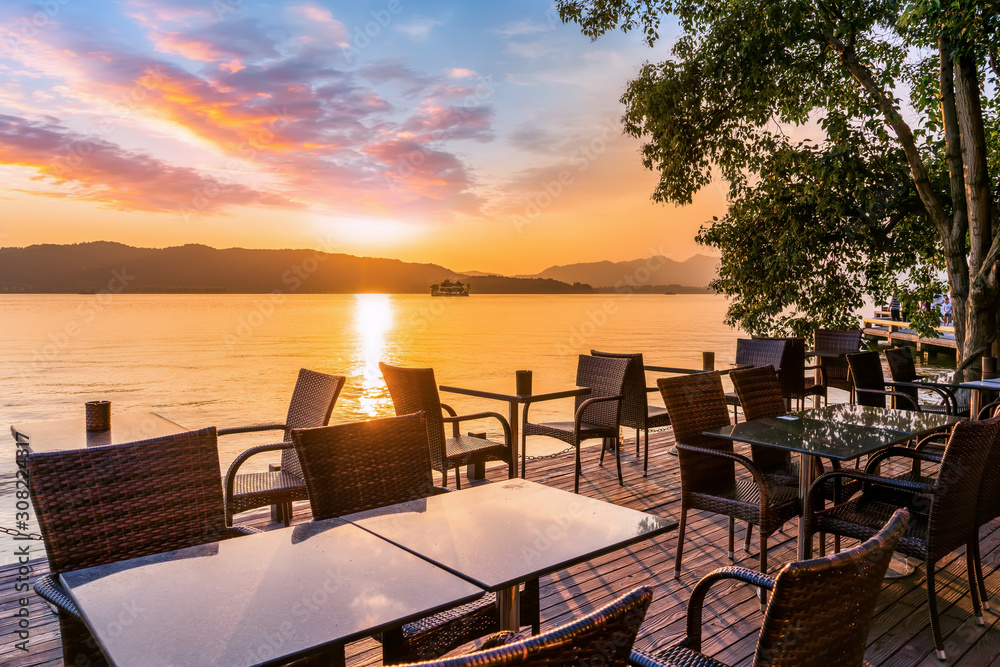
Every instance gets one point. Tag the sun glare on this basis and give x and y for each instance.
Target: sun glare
(372, 231)
(373, 318)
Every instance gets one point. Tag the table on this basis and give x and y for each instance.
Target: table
(260, 599)
(62, 434)
(907, 421)
(502, 534)
(978, 386)
(811, 439)
(504, 392)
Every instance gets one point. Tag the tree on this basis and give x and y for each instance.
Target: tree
(742, 70)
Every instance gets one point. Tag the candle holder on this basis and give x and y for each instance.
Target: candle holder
(98, 415)
(523, 382)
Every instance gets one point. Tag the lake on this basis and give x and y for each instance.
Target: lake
(228, 360)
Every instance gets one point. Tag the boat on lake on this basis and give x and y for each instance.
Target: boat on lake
(448, 288)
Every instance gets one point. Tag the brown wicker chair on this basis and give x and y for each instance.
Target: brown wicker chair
(757, 352)
(792, 372)
(596, 416)
(106, 504)
(904, 376)
(708, 465)
(835, 371)
(415, 390)
(360, 466)
(943, 515)
(820, 610)
(602, 637)
(637, 413)
(312, 404)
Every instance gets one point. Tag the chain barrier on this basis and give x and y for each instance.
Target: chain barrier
(17, 533)
(543, 457)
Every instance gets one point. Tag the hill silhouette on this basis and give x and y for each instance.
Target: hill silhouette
(696, 271)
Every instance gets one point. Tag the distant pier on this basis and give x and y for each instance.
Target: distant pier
(900, 332)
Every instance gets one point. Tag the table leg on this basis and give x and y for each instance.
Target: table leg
(509, 607)
(515, 436)
(807, 469)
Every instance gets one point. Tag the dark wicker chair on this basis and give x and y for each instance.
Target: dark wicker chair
(312, 404)
(792, 372)
(819, 614)
(835, 371)
(415, 390)
(637, 413)
(106, 504)
(360, 466)
(602, 637)
(943, 515)
(903, 372)
(869, 384)
(596, 416)
(708, 465)
(757, 352)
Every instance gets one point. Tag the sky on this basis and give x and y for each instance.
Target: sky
(476, 135)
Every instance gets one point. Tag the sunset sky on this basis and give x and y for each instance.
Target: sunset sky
(480, 136)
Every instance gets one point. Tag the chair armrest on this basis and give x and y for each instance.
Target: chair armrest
(816, 489)
(439, 490)
(822, 372)
(578, 417)
(697, 601)
(984, 412)
(895, 394)
(932, 439)
(450, 410)
(251, 429)
(947, 396)
(758, 476)
(906, 452)
(50, 590)
(241, 459)
(456, 419)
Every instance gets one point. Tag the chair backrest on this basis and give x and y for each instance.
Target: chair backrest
(359, 466)
(792, 369)
(602, 637)
(696, 403)
(415, 390)
(866, 373)
(820, 610)
(760, 396)
(760, 351)
(902, 369)
(635, 405)
(988, 507)
(841, 340)
(312, 403)
(606, 377)
(105, 504)
(953, 507)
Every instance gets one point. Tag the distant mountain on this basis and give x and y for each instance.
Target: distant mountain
(103, 265)
(696, 271)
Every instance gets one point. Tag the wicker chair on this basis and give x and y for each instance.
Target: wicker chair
(708, 465)
(904, 376)
(312, 404)
(106, 504)
(360, 466)
(415, 390)
(757, 352)
(637, 413)
(948, 524)
(602, 637)
(869, 386)
(820, 610)
(792, 372)
(835, 371)
(596, 416)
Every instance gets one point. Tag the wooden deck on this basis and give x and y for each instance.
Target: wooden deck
(895, 332)
(900, 634)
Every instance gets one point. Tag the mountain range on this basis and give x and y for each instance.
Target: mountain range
(105, 265)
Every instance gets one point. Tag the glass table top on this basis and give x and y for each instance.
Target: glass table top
(259, 599)
(908, 421)
(829, 439)
(62, 434)
(504, 533)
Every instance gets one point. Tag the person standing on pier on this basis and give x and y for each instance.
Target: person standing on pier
(894, 308)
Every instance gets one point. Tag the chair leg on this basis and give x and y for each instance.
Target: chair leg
(836, 544)
(762, 593)
(444, 475)
(746, 540)
(576, 480)
(524, 454)
(732, 529)
(618, 460)
(822, 544)
(932, 608)
(604, 448)
(680, 541)
(981, 582)
(970, 567)
(286, 513)
(458, 478)
(645, 461)
(637, 443)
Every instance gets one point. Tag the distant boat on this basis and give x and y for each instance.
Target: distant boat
(448, 288)
(670, 293)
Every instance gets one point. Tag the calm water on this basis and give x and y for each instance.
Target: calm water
(228, 360)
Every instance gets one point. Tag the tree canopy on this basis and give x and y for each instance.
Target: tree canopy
(897, 184)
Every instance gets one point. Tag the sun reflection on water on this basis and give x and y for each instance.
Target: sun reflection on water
(373, 318)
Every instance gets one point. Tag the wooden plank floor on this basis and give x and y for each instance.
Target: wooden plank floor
(900, 634)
